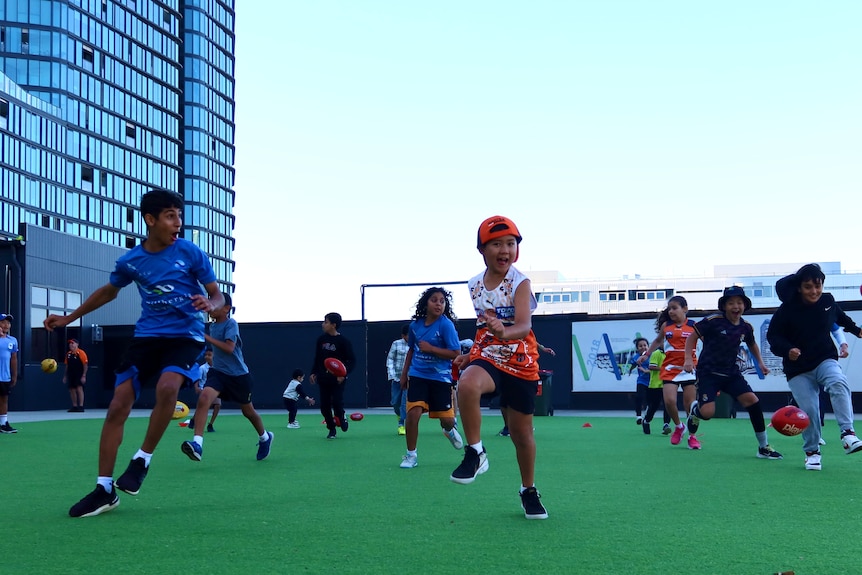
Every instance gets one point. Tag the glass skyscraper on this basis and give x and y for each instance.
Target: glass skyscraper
(101, 100)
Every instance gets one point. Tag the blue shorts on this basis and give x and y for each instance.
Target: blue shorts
(709, 384)
(147, 358)
(516, 393)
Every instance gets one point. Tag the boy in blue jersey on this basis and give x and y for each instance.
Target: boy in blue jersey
(169, 336)
(718, 369)
(229, 380)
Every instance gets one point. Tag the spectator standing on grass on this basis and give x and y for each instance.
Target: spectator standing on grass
(394, 366)
(8, 370)
(75, 375)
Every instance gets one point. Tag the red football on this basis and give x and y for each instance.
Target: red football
(335, 367)
(790, 420)
(357, 416)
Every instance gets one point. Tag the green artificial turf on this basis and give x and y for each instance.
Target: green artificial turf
(619, 502)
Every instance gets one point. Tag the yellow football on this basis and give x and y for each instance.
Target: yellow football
(49, 365)
(181, 410)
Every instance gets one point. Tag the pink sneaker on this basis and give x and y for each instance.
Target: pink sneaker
(676, 437)
(693, 443)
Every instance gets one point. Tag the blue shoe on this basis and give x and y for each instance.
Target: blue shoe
(193, 449)
(263, 447)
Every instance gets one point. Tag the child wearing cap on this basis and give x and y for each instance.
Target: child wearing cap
(799, 333)
(75, 375)
(503, 359)
(718, 370)
(8, 370)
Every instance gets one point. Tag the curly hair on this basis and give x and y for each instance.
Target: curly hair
(422, 304)
(664, 315)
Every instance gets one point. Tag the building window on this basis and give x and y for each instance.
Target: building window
(43, 302)
(612, 296)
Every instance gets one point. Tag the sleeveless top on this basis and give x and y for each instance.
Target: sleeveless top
(674, 348)
(517, 357)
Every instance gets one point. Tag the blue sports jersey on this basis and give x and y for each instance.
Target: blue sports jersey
(228, 363)
(166, 281)
(8, 347)
(721, 342)
(442, 334)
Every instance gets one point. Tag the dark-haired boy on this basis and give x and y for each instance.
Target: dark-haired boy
(228, 379)
(332, 344)
(169, 336)
(800, 333)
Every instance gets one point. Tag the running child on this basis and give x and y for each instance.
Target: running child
(655, 393)
(799, 333)
(503, 359)
(642, 382)
(432, 343)
(718, 369)
(168, 337)
(228, 379)
(673, 328)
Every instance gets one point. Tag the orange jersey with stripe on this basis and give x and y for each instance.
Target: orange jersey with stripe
(674, 348)
(518, 357)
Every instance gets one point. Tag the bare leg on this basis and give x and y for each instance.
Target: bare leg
(250, 414)
(112, 428)
(521, 432)
(166, 402)
(411, 426)
(474, 382)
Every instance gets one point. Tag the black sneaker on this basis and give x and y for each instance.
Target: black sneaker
(473, 464)
(210, 428)
(132, 478)
(6, 428)
(345, 422)
(693, 422)
(646, 427)
(331, 434)
(533, 508)
(504, 432)
(96, 502)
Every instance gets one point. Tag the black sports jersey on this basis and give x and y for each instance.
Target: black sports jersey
(721, 341)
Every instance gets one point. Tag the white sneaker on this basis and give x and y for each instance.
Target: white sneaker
(294, 425)
(812, 462)
(454, 438)
(409, 461)
(851, 443)
(822, 441)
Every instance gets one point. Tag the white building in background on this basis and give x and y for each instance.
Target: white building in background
(637, 294)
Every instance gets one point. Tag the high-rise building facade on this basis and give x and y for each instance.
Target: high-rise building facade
(101, 100)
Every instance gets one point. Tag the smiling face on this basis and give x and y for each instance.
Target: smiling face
(643, 345)
(811, 290)
(734, 307)
(500, 254)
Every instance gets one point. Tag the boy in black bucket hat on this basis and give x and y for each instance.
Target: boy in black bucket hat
(718, 370)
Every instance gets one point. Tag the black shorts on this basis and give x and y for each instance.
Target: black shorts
(516, 393)
(73, 382)
(236, 388)
(5, 388)
(709, 384)
(434, 396)
(147, 358)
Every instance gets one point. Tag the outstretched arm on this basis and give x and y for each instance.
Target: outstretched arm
(97, 299)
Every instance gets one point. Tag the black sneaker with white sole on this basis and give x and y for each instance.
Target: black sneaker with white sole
(472, 465)
(96, 502)
(533, 508)
(132, 478)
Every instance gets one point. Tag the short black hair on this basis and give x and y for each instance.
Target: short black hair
(334, 318)
(640, 339)
(297, 373)
(405, 329)
(810, 272)
(228, 301)
(156, 201)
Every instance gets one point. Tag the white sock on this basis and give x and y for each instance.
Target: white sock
(143, 454)
(412, 453)
(681, 426)
(525, 488)
(4, 419)
(199, 439)
(478, 447)
(107, 483)
(265, 435)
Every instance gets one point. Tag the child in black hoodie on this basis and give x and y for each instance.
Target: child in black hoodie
(800, 333)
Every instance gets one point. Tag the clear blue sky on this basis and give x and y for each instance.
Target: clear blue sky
(623, 137)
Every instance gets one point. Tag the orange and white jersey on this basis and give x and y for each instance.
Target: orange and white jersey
(674, 348)
(518, 357)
